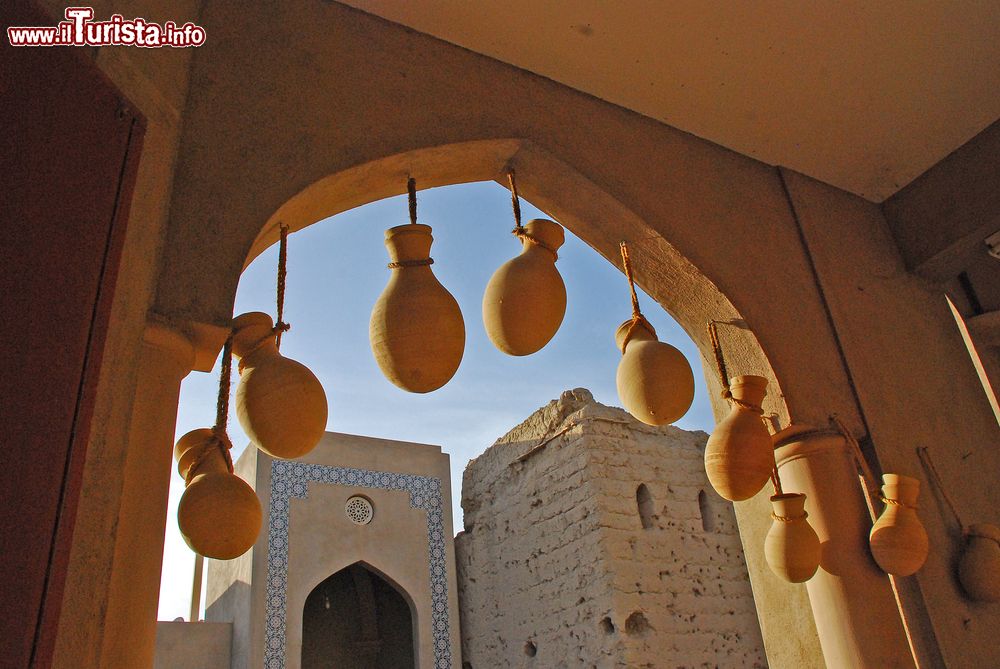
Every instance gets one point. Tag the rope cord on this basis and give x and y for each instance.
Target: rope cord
(280, 326)
(720, 366)
(411, 190)
(789, 519)
(222, 405)
(519, 230)
(410, 263)
(637, 316)
(925, 459)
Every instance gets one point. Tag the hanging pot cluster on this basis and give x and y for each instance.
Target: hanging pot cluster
(654, 380)
(739, 457)
(525, 300)
(791, 547)
(279, 402)
(219, 515)
(416, 330)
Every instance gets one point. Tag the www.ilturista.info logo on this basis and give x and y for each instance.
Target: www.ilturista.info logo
(79, 30)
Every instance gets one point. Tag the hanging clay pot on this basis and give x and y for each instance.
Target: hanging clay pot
(279, 402)
(525, 300)
(219, 515)
(654, 379)
(739, 457)
(979, 566)
(898, 540)
(791, 547)
(416, 331)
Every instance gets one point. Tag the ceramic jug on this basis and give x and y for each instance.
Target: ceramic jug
(898, 540)
(219, 515)
(279, 402)
(791, 546)
(416, 331)
(739, 456)
(525, 300)
(654, 379)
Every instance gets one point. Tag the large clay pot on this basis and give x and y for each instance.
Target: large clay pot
(791, 546)
(279, 402)
(898, 540)
(654, 379)
(416, 331)
(525, 300)
(979, 566)
(739, 456)
(219, 515)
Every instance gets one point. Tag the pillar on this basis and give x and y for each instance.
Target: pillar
(852, 600)
(130, 624)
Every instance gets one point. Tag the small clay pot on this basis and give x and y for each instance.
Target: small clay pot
(898, 540)
(525, 300)
(739, 456)
(979, 566)
(791, 547)
(654, 380)
(219, 515)
(416, 331)
(279, 402)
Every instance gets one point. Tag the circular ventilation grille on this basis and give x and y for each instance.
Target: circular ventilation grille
(359, 510)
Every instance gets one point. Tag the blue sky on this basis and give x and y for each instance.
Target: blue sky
(336, 271)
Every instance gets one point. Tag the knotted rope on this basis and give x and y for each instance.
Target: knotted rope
(411, 191)
(789, 519)
(637, 316)
(519, 230)
(220, 439)
(280, 326)
(925, 459)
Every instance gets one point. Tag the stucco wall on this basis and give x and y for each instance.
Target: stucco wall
(201, 645)
(557, 569)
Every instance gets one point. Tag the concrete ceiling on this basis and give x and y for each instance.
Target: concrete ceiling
(862, 95)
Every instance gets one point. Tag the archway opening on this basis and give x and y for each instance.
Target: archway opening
(355, 619)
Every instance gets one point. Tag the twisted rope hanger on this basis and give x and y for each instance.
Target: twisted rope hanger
(280, 326)
(637, 316)
(411, 192)
(220, 439)
(519, 230)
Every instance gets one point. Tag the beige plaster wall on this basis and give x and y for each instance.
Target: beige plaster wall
(555, 554)
(202, 645)
(322, 541)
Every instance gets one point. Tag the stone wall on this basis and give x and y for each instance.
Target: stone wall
(594, 540)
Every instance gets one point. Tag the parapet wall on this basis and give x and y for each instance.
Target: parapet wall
(594, 540)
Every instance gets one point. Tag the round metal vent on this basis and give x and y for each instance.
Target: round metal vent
(359, 510)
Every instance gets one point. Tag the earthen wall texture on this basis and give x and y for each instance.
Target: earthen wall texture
(566, 562)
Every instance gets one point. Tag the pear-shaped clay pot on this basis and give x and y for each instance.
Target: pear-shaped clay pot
(525, 300)
(279, 402)
(654, 379)
(739, 456)
(219, 515)
(898, 540)
(791, 547)
(416, 331)
(979, 566)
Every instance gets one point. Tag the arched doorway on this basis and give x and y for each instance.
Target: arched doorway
(355, 619)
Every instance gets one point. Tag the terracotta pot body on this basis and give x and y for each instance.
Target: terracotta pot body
(279, 402)
(979, 566)
(898, 540)
(791, 546)
(739, 455)
(525, 300)
(416, 331)
(219, 515)
(654, 379)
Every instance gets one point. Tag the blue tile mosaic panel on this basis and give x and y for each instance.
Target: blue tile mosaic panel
(291, 479)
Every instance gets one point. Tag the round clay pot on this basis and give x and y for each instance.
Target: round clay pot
(279, 402)
(979, 566)
(219, 515)
(898, 540)
(525, 300)
(654, 379)
(791, 546)
(739, 456)
(417, 333)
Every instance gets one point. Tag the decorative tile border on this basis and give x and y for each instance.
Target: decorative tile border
(291, 479)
